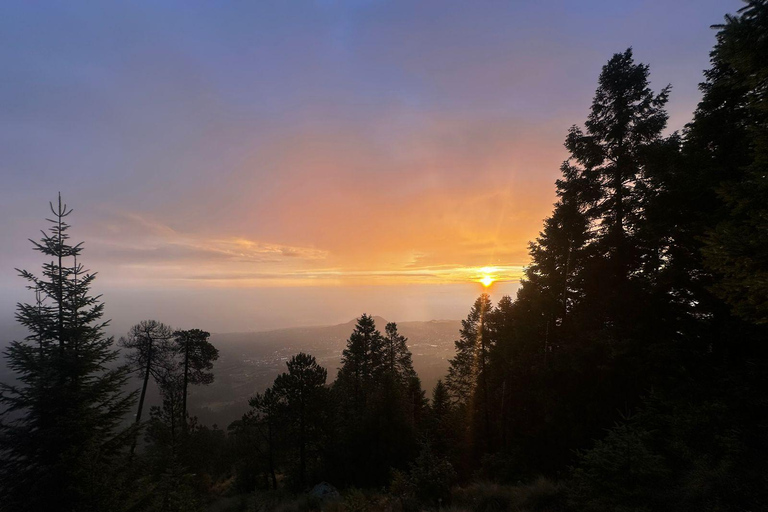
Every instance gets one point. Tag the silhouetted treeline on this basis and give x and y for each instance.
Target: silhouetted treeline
(627, 373)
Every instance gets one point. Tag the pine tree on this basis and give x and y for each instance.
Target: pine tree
(468, 377)
(736, 248)
(60, 430)
(441, 427)
(303, 389)
(466, 367)
(362, 361)
(609, 158)
(267, 410)
(168, 421)
(380, 403)
(197, 357)
(151, 354)
(560, 254)
(397, 357)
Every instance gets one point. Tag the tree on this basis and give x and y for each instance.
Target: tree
(442, 428)
(198, 356)
(266, 409)
(168, 420)
(398, 358)
(560, 253)
(468, 376)
(471, 352)
(362, 360)
(303, 389)
(736, 248)
(379, 403)
(609, 158)
(61, 435)
(151, 354)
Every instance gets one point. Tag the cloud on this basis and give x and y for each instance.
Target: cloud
(134, 241)
(424, 275)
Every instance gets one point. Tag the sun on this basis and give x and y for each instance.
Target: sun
(488, 277)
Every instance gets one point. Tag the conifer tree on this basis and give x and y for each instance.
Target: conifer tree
(362, 361)
(560, 253)
(398, 358)
(267, 409)
(197, 357)
(303, 390)
(151, 354)
(466, 367)
(608, 161)
(380, 403)
(168, 421)
(468, 377)
(441, 427)
(736, 248)
(61, 431)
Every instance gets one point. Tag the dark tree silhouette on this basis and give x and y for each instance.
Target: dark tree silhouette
(608, 162)
(737, 247)
(471, 353)
(197, 357)
(303, 389)
(266, 409)
(398, 358)
(60, 430)
(150, 354)
(362, 361)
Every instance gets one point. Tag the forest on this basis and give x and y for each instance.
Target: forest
(628, 374)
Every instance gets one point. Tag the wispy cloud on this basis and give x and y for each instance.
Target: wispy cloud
(424, 275)
(140, 248)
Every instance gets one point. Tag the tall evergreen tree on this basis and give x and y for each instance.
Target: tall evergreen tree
(468, 377)
(60, 430)
(464, 373)
(197, 357)
(560, 253)
(736, 248)
(303, 389)
(379, 404)
(267, 410)
(362, 361)
(625, 121)
(168, 421)
(398, 358)
(441, 428)
(150, 354)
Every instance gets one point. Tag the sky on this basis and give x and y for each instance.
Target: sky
(250, 165)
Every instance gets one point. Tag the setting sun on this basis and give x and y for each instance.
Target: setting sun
(487, 280)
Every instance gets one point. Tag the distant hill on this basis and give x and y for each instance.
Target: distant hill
(249, 361)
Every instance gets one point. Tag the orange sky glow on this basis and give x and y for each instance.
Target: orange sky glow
(266, 164)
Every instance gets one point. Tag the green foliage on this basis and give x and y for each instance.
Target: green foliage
(151, 354)
(379, 405)
(61, 430)
(303, 414)
(692, 453)
(736, 248)
(621, 473)
(432, 477)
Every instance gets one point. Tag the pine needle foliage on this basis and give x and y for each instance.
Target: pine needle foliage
(60, 423)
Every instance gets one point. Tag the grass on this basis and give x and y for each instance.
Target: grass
(539, 495)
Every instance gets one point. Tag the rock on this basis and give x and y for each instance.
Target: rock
(324, 491)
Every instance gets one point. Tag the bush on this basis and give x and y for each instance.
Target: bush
(484, 497)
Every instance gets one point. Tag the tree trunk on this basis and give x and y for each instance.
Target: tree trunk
(271, 457)
(143, 392)
(186, 375)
